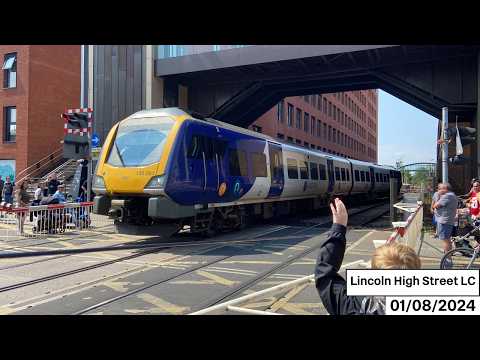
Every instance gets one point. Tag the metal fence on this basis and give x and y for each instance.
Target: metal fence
(45, 220)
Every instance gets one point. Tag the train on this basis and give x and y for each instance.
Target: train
(169, 166)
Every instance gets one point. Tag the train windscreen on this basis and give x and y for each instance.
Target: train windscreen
(139, 142)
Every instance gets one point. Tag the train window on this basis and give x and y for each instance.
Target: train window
(303, 170)
(344, 177)
(292, 169)
(313, 171)
(259, 164)
(195, 148)
(376, 177)
(348, 175)
(388, 178)
(367, 176)
(238, 162)
(385, 177)
(322, 172)
(357, 175)
(362, 176)
(337, 173)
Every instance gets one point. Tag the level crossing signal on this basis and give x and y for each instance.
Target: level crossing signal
(77, 133)
(463, 136)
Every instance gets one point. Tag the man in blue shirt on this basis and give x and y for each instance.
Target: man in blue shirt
(445, 214)
(60, 194)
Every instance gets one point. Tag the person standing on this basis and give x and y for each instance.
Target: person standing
(332, 287)
(1, 188)
(22, 200)
(473, 200)
(445, 213)
(52, 184)
(7, 192)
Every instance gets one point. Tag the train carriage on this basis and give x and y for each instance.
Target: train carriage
(166, 166)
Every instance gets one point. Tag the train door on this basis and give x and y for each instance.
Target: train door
(214, 164)
(277, 181)
(372, 179)
(331, 176)
(195, 184)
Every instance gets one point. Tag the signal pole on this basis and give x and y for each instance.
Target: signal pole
(445, 145)
(84, 104)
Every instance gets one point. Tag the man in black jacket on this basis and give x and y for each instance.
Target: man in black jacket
(332, 288)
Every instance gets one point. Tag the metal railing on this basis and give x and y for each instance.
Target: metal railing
(407, 232)
(45, 220)
(294, 287)
(40, 166)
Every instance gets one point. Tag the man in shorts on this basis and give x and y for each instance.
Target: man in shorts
(445, 212)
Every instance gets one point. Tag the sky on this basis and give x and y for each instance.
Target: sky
(404, 132)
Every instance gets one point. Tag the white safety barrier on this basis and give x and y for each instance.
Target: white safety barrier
(42, 220)
(295, 286)
(408, 232)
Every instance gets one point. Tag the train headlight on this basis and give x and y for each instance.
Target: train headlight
(155, 185)
(98, 182)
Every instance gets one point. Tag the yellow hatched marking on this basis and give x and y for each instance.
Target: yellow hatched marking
(249, 262)
(120, 286)
(162, 305)
(5, 310)
(216, 278)
(279, 304)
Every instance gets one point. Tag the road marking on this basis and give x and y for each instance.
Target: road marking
(232, 271)
(358, 242)
(162, 305)
(268, 251)
(250, 262)
(279, 304)
(216, 278)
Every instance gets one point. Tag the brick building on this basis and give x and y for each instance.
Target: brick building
(38, 83)
(343, 124)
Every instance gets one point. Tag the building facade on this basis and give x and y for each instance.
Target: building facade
(38, 84)
(343, 124)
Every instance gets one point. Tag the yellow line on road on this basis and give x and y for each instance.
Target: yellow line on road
(163, 305)
(216, 278)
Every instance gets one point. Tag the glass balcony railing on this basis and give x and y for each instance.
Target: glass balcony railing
(171, 51)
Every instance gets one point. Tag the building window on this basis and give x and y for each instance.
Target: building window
(319, 128)
(280, 111)
(280, 136)
(290, 139)
(299, 119)
(319, 102)
(334, 112)
(338, 115)
(306, 119)
(299, 142)
(306, 98)
(329, 109)
(334, 135)
(312, 125)
(10, 116)
(290, 115)
(10, 71)
(325, 106)
(257, 128)
(329, 133)
(306, 144)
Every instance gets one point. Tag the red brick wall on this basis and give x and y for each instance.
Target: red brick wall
(16, 97)
(54, 86)
(271, 126)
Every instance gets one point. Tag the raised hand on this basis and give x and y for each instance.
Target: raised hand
(339, 212)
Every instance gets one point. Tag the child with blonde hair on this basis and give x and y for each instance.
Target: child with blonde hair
(332, 288)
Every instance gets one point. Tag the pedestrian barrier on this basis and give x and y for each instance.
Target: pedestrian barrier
(408, 232)
(44, 220)
(293, 287)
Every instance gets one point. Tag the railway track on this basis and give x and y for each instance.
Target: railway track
(231, 293)
(154, 248)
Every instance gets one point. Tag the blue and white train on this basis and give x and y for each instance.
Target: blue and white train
(166, 166)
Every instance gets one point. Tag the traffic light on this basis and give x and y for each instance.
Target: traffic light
(467, 134)
(77, 128)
